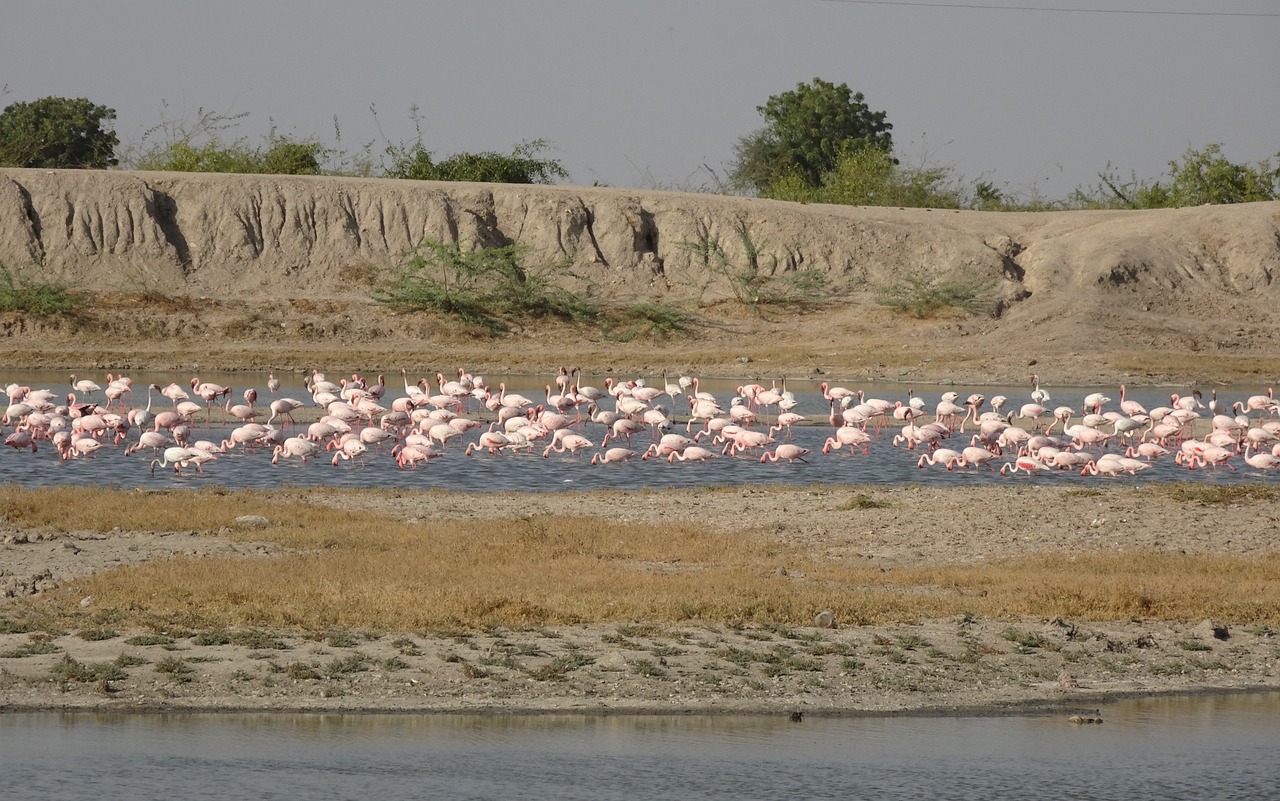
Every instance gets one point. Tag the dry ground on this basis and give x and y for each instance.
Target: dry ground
(964, 661)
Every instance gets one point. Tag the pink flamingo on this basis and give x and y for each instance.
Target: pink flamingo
(787, 451)
(974, 456)
(569, 442)
(351, 449)
(1026, 464)
(20, 439)
(614, 456)
(693, 453)
(851, 436)
(942, 456)
(295, 446)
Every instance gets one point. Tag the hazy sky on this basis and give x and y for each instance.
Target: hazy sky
(643, 93)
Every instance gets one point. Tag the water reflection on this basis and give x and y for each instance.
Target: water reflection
(1159, 748)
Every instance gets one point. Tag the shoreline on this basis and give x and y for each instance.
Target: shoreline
(1020, 708)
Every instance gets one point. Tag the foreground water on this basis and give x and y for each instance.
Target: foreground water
(883, 464)
(1219, 747)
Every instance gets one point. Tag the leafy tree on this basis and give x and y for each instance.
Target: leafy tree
(807, 131)
(522, 166)
(58, 132)
(1205, 176)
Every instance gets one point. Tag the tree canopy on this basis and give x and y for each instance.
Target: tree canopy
(807, 131)
(58, 132)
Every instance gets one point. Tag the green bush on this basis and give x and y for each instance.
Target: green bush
(485, 287)
(923, 297)
(35, 297)
(202, 146)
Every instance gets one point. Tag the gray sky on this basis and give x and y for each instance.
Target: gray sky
(642, 93)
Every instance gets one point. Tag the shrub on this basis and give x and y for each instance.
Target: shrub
(923, 297)
(484, 287)
(35, 297)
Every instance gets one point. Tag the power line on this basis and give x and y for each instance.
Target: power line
(1058, 9)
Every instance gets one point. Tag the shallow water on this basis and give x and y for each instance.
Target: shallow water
(885, 465)
(1160, 748)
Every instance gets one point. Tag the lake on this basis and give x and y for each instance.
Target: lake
(1165, 748)
(884, 464)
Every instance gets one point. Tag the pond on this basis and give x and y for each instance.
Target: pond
(1164, 748)
(882, 464)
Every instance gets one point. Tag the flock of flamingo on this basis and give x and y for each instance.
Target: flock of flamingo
(630, 420)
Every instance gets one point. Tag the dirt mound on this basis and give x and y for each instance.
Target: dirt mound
(254, 270)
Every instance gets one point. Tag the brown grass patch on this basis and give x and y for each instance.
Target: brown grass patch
(372, 570)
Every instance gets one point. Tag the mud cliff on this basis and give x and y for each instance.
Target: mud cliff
(1200, 278)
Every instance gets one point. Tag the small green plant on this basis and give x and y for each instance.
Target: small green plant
(486, 287)
(129, 660)
(911, 642)
(34, 296)
(1194, 645)
(214, 637)
(646, 667)
(406, 646)
(259, 640)
(341, 639)
(560, 667)
(1025, 639)
(300, 671)
(68, 669)
(11, 626)
(98, 633)
(149, 639)
(862, 501)
(924, 297)
(30, 649)
(174, 666)
(355, 663)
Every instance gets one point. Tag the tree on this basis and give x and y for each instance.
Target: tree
(807, 132)
(58, 132)
(1205, 176)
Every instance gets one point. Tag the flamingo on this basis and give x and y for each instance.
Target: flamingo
(176, 456)
(787, 451)
(351, 449)
(1132, 407)
(84, 386)
(295, 446)
(569, 442)
(852, 436)
(1025, 464)
(693, 453)
(614, 456)
(973, 455)
(21, 439)
(943, 456)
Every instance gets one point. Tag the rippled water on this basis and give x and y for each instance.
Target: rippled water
(884, 465)
(1165, 748)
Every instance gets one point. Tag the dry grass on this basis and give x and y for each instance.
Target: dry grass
(373, 571)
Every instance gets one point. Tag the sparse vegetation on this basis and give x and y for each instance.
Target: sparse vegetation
(862, 500)
(925, 297)
(488, 287)
(756, 273)
(35, 296)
